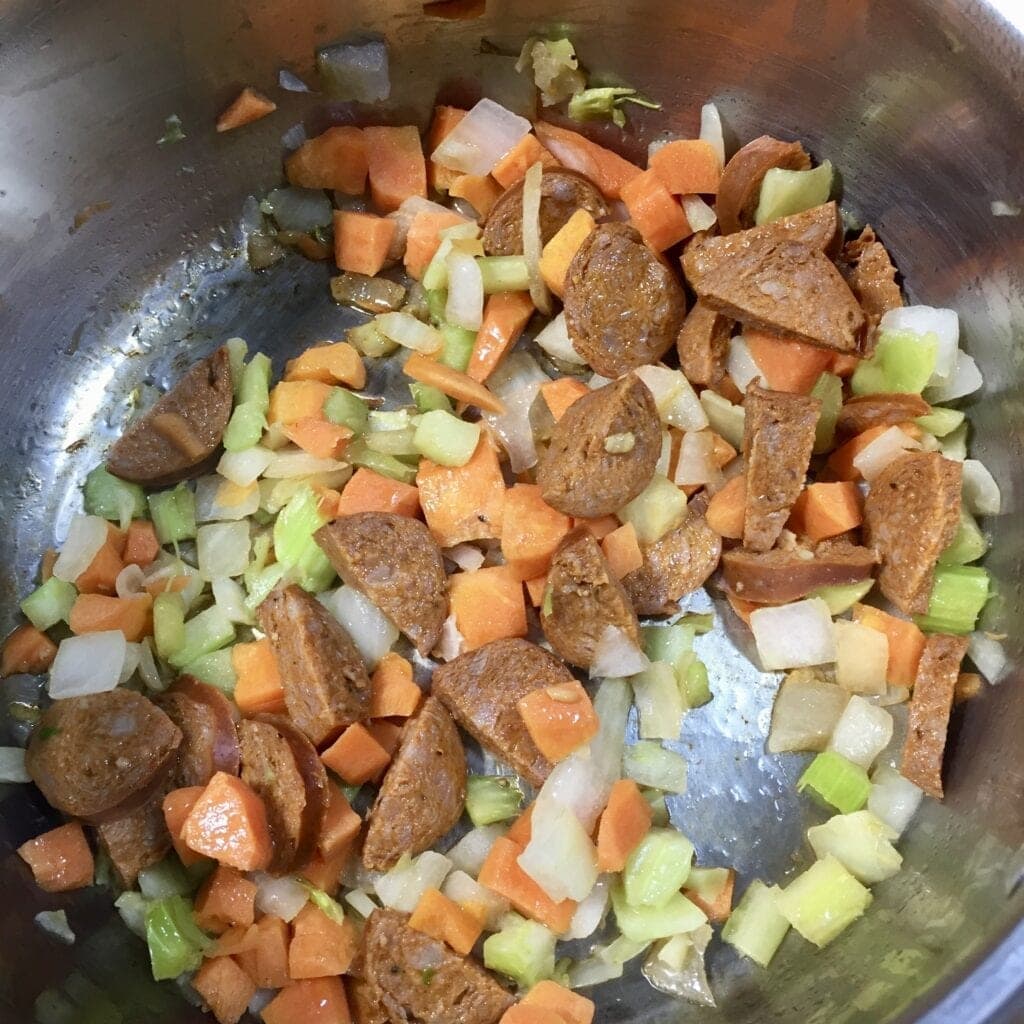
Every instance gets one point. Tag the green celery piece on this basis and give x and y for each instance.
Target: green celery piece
(293, 540)
(954, 444)
(649, 764)
(659, 809)
(437, 300)
(369, 341)
(724, 417)
(645, 924)
(492, 798)
(165, 878)
(697, 690)
(330, 906)
(785, 192)
(255, 387)
(673, 644)
(237, 351)
(49, 603)
(941, 421)
(658, 508)
(358, 454)
(457, 348)
(173, 514)
(837, 781)
(429, 398)
(707, 883)
(555, 66)
(959, 593)
(206, 632)
(260, 583)
(828, 389)
(176, 944)
(112, 498)
(659, 702)
(756, 926)
(216, 669)
(861, 843)
(504, 273)
(523, 950)
(968, 545)
(168, 624)
(347, 410)
(445, 439)
(823, 901)
(399, 443)
(606, 101)
(657, 868)
(384, 421)
(842, 596)
(702, 622)
(245, 428)
(902, 362)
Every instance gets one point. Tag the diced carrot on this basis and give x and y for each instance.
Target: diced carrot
(826, 510)
(463, 503)
(229, 824)
(723, 453)
(424, 237)
(248, 106)
(258, 688)
(29, 650)
(598, 528)
(459, 386)
(341, 824)
(532, 531)
(266, 962)
(334, 363)
(563, 246)
(94, 613)
(166, 585)
(787, 365)
(911, 429)
(328, 500)
(840, 462)
(444, 122)
(321, 947)
(488, 604)
(393, 690)
(559, 718)
(569, 1006)
(226, 989)
(906, 642)
(968, 686)
(368, 491)
(293, 400)
(231, 495)
(727, 508)
(624, 822)
(521, 830)
(688, 167)
(843, 364)
(225, 900)
(442, 919)
(607, 170)
(535, 589)
(512, 167)
(101, 575)
(622, 550)
(506, 314)
(117, 538)
(519, 1013)
(235, 941)
(743, 609)
(311, 1001)
(356, 756)
(386, 732)
(395, 166)
(337, 160)
(60, 859)
(718, 911)
(325, 872)
(177, 807)
(362, 241)
(560, 394)
(46, 564)
(655, 212)
(319, 437)
(481, 191)
(141, 546)
(502, 874)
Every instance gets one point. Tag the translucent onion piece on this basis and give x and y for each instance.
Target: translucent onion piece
(740, 363)
(12, 765)
(883, 450)
(481, 139)
(532, 243)
(465, 305)
(794, 635)
(699, 215)
(411, 333)
(244, 468)
(280, 897)
(88, 664)
(711, 129)
(370, 630)
(616, 654)
(86, 535)
(981, 492)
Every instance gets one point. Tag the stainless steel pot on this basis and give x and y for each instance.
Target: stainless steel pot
(920, 103)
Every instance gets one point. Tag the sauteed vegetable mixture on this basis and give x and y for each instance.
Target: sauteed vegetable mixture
(289, 607)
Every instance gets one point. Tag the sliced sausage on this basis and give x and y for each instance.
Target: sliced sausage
(675, 565)
(583, 599)
(283, 767)
(326, 687)
(577, 474)
(867, 411)
(623, 307)
(423, 792)
(911, 515)
(137, 841)
(739, 191)
(778, 437)
(780, 576)
(209, 741)
(482, 688)
(100, 756)
(182, 431)
(562, 193)
(364, 1002)
(703, 345)
(397, 564)
(928, 718)
(399, 960)
(871, 274)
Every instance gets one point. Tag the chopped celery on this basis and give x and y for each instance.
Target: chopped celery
(437, 300)
(657, 868)
(168, 624)
(110, 497)
(245, 428)
(954, 444)
(701, 622)
(659, 702)
(659, 809)
(555, 66)
(785, 192)
(707, 883)
(369, 341)
(756, 927)
(165, 878)
(658, 508)
(176, 944)
(649, 764)
(389, 420)
(645, 924)
(457, 347)
(294, 545)
(523, 951)
(968, 545)
(260, 582)
(841, 597)
(958, 595)
(861, 843)
(504, 273)
(837, 781)
(208, 631)
(399, 443)
(255, 387)
(828, 389)
(429, 398)
(387, 465)
(724, 417)
(696, 688)
(607, 101)
(237, 351)
(215, 668)
(940, 421)
(346, 409)
(903, 361)
(823, 901)
(49, 603)
(131, 906)
(331, 907)
(672, 644)
(491, 798)
(173, 514)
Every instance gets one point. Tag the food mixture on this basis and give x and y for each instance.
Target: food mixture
(290, 606)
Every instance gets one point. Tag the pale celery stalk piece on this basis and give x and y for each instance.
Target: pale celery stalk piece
(861, 843)
(523, 951)
(645, 924)
(658, 508)
(724, 417)
(650, 764)
(842, 597)
(445, 439)
(784, 192)
(659, 702)
(822, 902)
(657, 868)
(756, 927)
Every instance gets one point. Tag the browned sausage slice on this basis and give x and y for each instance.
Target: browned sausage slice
(675, 565)
(100, 756)
(423, 792)
(928, 719)
(137, 841)
(209, 738)
(739, 191)
(397, 564)
(283, 767)
(867, 411)
(870, 272)
(778, 437)
(577, 474)
(583, 598)
(399, 959)
(325, 684)
(703, 345)
(185, 427)
(482, 688)
(623, 307)
(364, 1002)
(562, 193)
(780, 576)
(911, 515)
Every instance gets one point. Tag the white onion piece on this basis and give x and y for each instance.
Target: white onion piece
(470, 852)
(597, 381)
(740, 363)
(554, 339)
(805, 713)
(611, 703)
(167, 567)
(696, 464)
(463, 889)
(466, 556)
(893, 799)
(465, 306)
(450, 646)
(581, 784)
(290, 463)
(355, 68)
(244, 468)
(699, 215)
(402, 886)
(559, 857)
(280, 897)
(593, 971)
(130, 581)
(370, 630)
(664, 466)
(964, 380)
(656, 145)
(405, 330)
(617, 654)
(86, 535)
(516, 382)
(677, 402)
(403, 218)
(361, 902)
(711, 129)
(944, 324)
(794, 635)
(148, 671)
(12, 765)
(222, 549)
(676, 966)
(132, 657)
(230, 598)
(55, 922)
(862, 732)
(532, 242)
(862, 658)
(884, 449)
(88, 664)
(591, 910)
(291, 82)
(298, 209)
(219, 500)
(481, 139)
(989, 657)
(980, 490)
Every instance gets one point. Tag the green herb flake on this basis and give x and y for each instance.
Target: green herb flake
(427, 974)
(173, 132)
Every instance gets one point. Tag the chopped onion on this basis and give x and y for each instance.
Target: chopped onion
(130, 581)
(298, 209)
(554, 339)
(370, 294)
(280, 897)
(944, 324)
(356, 68)
(131, 663)
(465, 306)
(294, 462)
(532, 242)
(696, 465)
(370, 630)
(559, 857)
(461, 888)
(611, 703)
(699, 215)
(230, 598)
(980, 490)
(591, 910)
(794, 635)
(516, 382)
(245, 467)
(403, 218)
(676, 966)
(294, 137)
(740, 363)
(407, 331)
(167, 567)
(56, 923)
(964, 380)
(989, 657)
(884, 449)
(862, 658)
(481, 139)
(893, 799)
(593, 971)
(88, 664)
(617, 654)
(219, 500)
(291, 82)
(470, 852)
(402, 886)
(677, 402)
(450, 646)
(581, 784)
(361, 902)
(711, 129)
(12, 765)
(222, 549)
(86, 535)
(862, 732)
(148, 671)
(466, 556)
